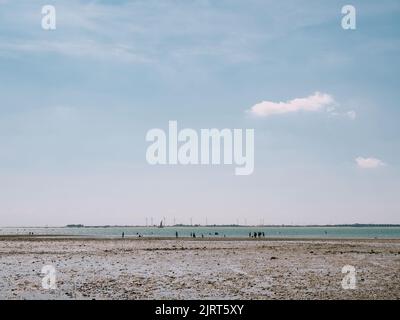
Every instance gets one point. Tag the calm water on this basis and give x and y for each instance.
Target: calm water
(292, 232)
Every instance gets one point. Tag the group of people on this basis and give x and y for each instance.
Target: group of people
(256, 235)
(193, 235)
(137, 233)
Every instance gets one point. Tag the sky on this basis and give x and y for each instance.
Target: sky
(76, 104)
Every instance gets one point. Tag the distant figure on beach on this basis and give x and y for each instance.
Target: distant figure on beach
(176, 234)
(249, 234)
(194, 235)
(263, 234)
(202, 235)
(123, 235)
(255, 234)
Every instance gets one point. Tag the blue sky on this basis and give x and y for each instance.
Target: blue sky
(76, 103)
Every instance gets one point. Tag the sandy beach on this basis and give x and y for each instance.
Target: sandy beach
(198, 269)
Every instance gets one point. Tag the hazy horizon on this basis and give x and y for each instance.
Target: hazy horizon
(77, 225)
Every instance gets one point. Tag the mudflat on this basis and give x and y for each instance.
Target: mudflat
(198, 269)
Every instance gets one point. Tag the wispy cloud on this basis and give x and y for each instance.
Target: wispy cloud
(369, 163)
(347, 114)
(88, 49)
(351, 114)
(133, 32)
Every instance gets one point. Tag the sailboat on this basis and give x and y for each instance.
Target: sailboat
(161, 225)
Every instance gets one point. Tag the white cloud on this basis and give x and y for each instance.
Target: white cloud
(348, 114)
(315, 102)
(369, 163)
(351, 114)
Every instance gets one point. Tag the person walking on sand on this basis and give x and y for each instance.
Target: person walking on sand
(123, 235)
(176, 234)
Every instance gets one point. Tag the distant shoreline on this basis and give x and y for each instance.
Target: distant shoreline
(355, 225)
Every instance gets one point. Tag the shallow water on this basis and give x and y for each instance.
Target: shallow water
(240, 232)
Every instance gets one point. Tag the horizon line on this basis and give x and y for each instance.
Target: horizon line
(215, 225)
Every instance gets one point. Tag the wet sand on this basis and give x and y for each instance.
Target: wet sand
(198, 269)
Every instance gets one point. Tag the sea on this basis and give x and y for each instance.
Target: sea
(212, 231)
